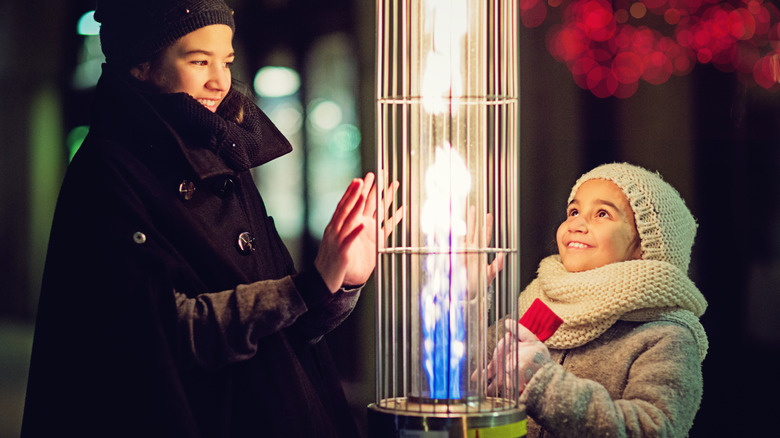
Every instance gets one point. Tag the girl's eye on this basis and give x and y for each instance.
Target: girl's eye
(229, 64)
(200, 62)
(573, 212)
(602, 213)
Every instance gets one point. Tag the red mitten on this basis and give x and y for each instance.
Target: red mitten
(540, 320)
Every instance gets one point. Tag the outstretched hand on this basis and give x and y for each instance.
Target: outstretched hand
(516, 359)
(347, 255)
(477, 261)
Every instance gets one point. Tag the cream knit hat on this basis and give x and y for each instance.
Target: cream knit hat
(666, 227)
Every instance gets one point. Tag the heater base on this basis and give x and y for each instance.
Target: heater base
(401, 418)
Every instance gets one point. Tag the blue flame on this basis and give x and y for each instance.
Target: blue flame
(445, 290)
(443, 329)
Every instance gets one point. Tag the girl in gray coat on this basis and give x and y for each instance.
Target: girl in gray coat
(626, 360)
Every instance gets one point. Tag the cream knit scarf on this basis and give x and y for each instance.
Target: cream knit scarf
(589, 302)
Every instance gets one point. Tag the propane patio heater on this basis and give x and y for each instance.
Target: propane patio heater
(447, 130)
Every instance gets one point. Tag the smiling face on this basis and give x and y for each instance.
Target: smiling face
(197, 64)
(599, 228)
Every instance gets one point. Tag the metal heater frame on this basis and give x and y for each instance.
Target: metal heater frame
(447, 130)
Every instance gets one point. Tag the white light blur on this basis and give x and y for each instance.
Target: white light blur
(287, 117)
(276, 82)
(325, 115)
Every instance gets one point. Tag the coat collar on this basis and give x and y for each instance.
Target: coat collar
(210, 142)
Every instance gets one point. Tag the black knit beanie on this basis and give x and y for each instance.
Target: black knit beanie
(133, 31)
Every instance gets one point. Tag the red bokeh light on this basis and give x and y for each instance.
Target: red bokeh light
(532, 12)
(609, 51)
(658, 68)
(672, 16)
(765, 72)
(628, 67)
(598, 20)
(654, 4)
(742, 24)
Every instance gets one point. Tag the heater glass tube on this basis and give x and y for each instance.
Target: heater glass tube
(446, 118)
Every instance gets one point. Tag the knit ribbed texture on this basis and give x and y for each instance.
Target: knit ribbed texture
(240, 145)
(590, 302)
(133, 31)
(665, 225)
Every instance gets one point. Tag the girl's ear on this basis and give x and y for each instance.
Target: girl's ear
(141, 71)
(637, 243)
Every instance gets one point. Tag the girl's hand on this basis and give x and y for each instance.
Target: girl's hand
(476, 260)
(347, 255)
(518, 356)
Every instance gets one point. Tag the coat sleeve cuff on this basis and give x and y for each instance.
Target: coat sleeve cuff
(312, 288)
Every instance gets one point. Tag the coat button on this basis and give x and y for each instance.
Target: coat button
(224, 187)
(245, 243)
(186, 190)
(139, 237)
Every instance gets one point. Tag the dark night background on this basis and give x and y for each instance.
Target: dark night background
(716, 138)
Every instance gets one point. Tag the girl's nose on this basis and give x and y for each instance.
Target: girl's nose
(219, 78)
(578, 225)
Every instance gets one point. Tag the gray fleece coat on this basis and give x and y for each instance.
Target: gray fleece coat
(636, 379)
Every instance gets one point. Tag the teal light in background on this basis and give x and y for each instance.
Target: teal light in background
(302, 188)
(75, 138)
(332, 126)
(284, 175)
(45, 177)
(282, 180)
(275, 81)
(345, 140)
(91, 57)
(87, 24)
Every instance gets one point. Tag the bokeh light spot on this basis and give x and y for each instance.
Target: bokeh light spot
(682, 65)
(658, 68)
(638, 10)
(87, 24)
(598, 20)
(625, 91)
(701, 38)
(345, 139)
(275, 81)
(672, 16)
(608, 54)
(325, 114)
(747, 24)
(602, 82)
(654, 4)
(74, 140)
(747, 55)
(535, 13)
(754, 7)
(627, 67)
(765, 72)
(704, 56)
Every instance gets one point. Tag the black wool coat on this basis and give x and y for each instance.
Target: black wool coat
(169, 304)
